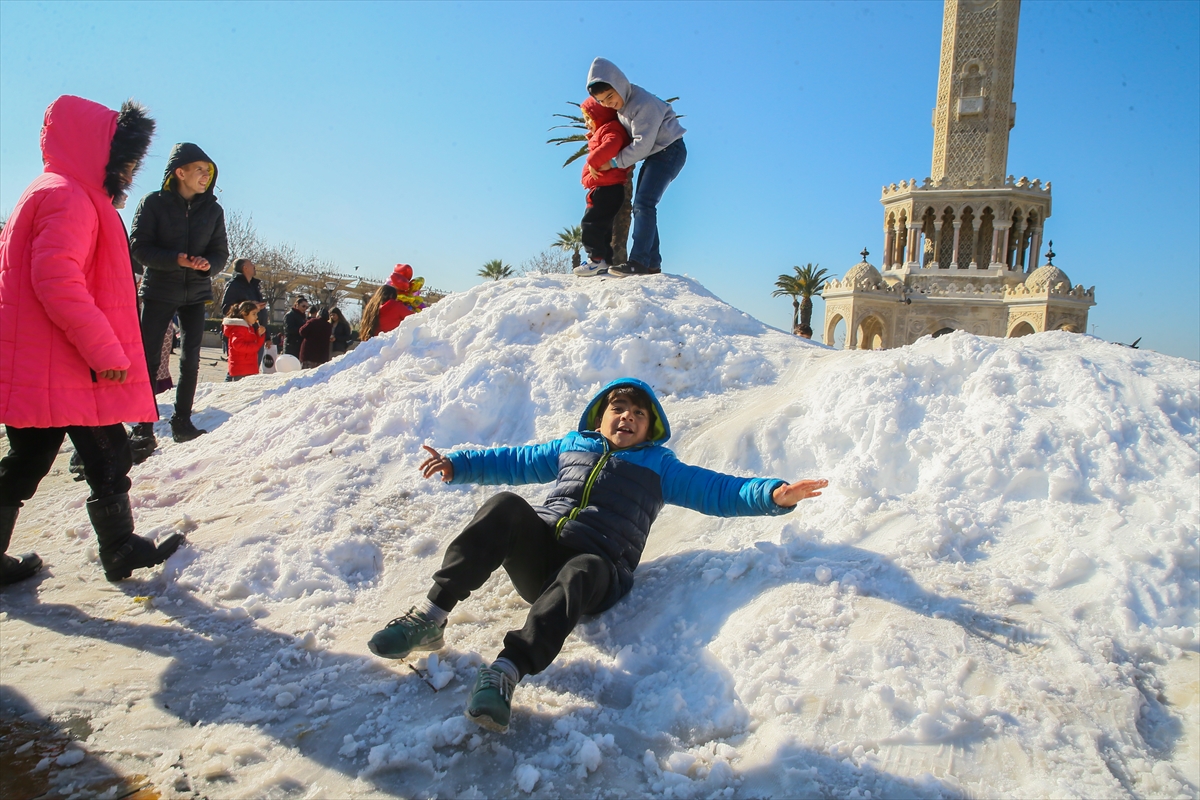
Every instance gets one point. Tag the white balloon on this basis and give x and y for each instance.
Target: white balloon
(286, 363)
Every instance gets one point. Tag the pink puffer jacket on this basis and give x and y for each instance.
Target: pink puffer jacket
(67, 304)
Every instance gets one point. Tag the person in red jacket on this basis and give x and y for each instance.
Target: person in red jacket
(245, 337)
(606, 190)
(383, 313)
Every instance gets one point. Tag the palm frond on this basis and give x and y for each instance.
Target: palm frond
(580, 153)
(810, 279)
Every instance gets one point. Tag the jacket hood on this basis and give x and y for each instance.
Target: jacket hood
(660, 431)
(77, 135)
(604, 71)
(185, 153)
(599, 114)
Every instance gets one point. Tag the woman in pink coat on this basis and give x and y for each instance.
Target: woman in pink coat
(71, 359)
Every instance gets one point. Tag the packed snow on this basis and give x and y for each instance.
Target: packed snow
(997, 595)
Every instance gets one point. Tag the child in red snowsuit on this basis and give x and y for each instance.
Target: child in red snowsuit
(245, 337)
(606, 191)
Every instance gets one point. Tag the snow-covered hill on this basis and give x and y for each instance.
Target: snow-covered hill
(997, 595)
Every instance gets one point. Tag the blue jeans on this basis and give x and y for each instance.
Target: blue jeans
(654, 177)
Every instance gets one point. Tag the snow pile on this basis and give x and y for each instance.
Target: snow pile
(997, 595)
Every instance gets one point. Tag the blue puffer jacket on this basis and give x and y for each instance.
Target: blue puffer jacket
(604, 500)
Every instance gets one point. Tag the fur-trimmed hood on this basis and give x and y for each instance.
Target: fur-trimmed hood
(130, 142)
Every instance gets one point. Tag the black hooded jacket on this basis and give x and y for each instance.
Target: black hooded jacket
(166, 225)
(239, 290)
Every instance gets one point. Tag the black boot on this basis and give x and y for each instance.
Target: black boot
(76, 467)
(14, 569)
(121, 550)
(182, 429)
(142, 441)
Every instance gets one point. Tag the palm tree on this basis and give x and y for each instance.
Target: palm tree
(495, 269)
(570, 239)
(807, 281)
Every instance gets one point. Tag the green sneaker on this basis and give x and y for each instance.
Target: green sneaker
(491, 700)
(413, 631)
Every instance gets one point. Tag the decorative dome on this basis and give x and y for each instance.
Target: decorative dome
(862, 272)
(1046, 275)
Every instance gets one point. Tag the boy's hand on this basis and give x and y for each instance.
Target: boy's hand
(437, 463)
(790, 494)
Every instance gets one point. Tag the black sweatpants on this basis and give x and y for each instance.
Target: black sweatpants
(562, 584)
(156, 316)
(603, 203)
(105, 453)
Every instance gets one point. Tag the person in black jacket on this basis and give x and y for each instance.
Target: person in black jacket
(243, 287)
(292, 324)
(178, 234)
(341, 332)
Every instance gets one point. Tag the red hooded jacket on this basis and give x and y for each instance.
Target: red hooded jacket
(244, 342)
(609, 138)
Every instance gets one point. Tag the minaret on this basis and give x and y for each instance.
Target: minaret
(975, 111)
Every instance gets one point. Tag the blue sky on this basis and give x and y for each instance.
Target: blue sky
(375, 133)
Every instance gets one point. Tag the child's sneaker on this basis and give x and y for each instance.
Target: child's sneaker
(589, 268)
(491, 700)
(413, 631)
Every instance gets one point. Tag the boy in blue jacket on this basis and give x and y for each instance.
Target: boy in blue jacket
(575, 554)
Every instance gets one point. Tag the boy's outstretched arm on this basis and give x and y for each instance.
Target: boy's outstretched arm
(789, 494)
(439, 463)
(494, 466)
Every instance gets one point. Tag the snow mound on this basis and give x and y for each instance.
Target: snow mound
(997, 595)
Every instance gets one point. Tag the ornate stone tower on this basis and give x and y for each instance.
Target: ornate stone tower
(975, 111)
(960, 247)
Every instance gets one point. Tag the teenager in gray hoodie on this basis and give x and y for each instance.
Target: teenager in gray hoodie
(657, 141)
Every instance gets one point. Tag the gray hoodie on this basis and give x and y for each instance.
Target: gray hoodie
(651, 123)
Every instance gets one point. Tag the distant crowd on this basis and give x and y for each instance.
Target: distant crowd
(312, 335)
